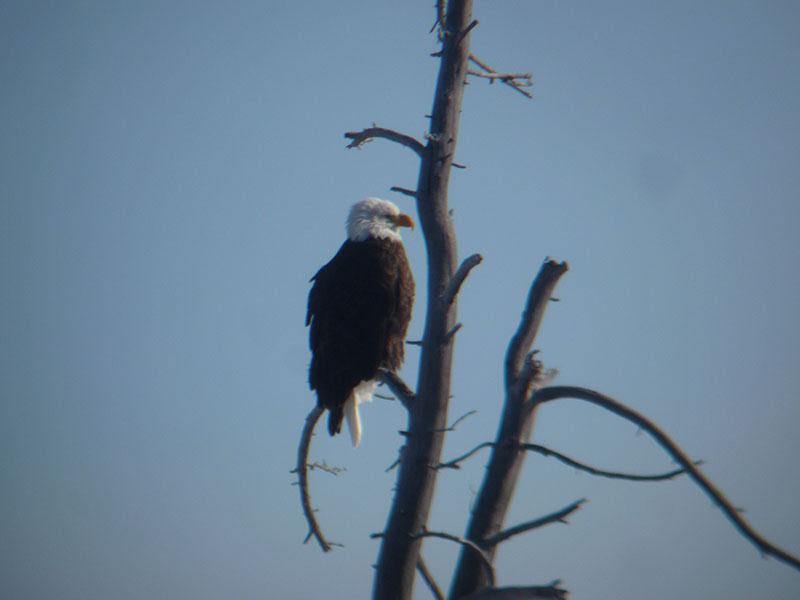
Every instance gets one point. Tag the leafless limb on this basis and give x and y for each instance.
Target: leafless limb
(302, 475)
(466, 31)
(428, 577)
(405, 191)
(556, 517)
(534, 592)
(459, 277)
(453, 464)
(507, 78)
(538, 299)
(610, 474)
(733, 514)
(398, 386)
(461, 418)
(361, 137)
(324, 466)
(467, 544)
(448, 336)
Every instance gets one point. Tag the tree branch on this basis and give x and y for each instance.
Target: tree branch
(765, 546)
(361, 137)
(556, 517)
(404, 191)
(508, 79)
(399, 388)
(467, 544)
(459, 277)
(610, 474)
(538, 299)
(428, 577)
(302, 475)
(453, 464)
(533, 592)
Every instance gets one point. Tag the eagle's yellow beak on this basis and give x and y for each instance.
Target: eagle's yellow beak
(402, 220)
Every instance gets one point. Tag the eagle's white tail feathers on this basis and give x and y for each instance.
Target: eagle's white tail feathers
(361, 393)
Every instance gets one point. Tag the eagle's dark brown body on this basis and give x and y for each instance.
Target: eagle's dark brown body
(359, 309)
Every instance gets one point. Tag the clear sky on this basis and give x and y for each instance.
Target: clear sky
(173, 173)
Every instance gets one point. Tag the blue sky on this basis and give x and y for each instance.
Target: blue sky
(171, 176)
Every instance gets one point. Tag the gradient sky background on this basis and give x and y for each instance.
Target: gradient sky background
(173, 173)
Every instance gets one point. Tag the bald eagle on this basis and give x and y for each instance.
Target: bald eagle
(359, 308)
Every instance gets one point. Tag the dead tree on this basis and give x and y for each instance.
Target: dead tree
(526, 381)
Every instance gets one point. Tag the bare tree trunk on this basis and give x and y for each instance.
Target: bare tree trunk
(399, 552)
(502, 472)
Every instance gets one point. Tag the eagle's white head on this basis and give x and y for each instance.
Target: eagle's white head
(376, 218)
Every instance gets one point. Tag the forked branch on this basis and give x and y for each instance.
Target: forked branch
(764, 545)
(515, 80)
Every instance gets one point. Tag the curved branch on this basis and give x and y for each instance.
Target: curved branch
(556, 392)
(556, 517)
(302, 475)
(543, 450)
(467, 544)
(453, 464)
(361, 137)
(458, 278)
(398, 387)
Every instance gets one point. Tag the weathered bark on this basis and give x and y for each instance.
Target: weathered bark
(399, 552)
(507, 458)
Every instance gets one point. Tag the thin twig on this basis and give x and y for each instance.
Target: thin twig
(733, 514)
(302, 474)
(449, 335)
(503, 77)
(516, 80)
(458, 278)
(324, 466)
(466, 31)
(428, 577)
(556, 517)
(610, 474)
(361, 137)
(471, 545)
(402, 190)
(453, 464)
(398, 386)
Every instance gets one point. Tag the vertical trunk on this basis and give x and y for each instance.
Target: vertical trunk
(399, 552)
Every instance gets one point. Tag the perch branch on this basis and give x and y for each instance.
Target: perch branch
(765, 546)
(556, 517)
(509, 79)
(398, 387)
(610, 474)
(458, 278)
(361, 137)
(428, 577)
(302, 474)
(467, 544)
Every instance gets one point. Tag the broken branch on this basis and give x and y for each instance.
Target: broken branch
(361, 137)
